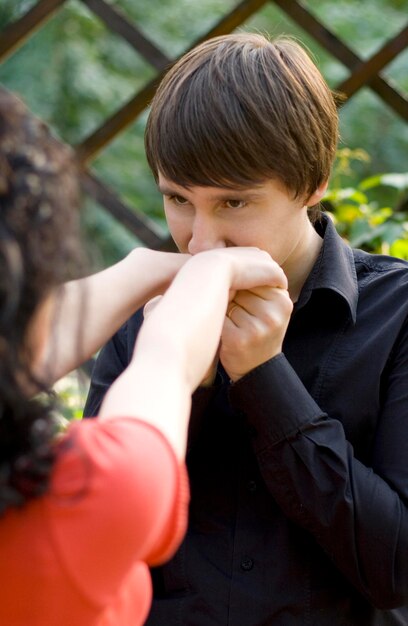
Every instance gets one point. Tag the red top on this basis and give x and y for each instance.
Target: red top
(77, 556)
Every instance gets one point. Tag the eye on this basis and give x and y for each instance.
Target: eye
(178, 200)
(235, 204)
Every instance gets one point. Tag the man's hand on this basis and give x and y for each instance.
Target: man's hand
(257, 316)
(254, 329)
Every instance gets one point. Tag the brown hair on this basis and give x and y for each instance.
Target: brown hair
(240, 109)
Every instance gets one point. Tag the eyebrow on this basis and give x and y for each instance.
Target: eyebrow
(227, 194)
(167, 191)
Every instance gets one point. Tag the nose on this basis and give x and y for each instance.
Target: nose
(205, 235)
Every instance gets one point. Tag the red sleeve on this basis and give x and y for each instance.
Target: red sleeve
(118, 495)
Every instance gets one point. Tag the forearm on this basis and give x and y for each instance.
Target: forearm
(174, 348)
(196, 305)
(161, 396)
(356, 517)
(310, 470)
(87, 312)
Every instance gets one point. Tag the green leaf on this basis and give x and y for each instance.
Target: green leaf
(398, 181)
(362, 233)
(347, 213)
(399, 248)
(349, 193)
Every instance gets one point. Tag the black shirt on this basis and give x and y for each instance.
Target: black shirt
(299, 471)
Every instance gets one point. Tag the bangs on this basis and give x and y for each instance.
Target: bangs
(198, 140)
(239, 110)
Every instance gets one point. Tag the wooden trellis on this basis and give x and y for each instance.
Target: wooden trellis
(362, 73)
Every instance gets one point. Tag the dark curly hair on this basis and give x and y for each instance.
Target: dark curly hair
(39, 249)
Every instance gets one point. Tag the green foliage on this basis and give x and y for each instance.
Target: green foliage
(360, 213)
(71, 392)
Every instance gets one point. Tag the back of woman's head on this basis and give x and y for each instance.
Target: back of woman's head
(38, 250)
(240, 109)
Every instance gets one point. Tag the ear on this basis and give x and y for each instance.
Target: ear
(318, 194)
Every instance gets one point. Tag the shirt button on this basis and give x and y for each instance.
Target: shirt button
(247, 564)
(252, 486)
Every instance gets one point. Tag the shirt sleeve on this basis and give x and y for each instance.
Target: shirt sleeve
(358, 514)
(118, 496)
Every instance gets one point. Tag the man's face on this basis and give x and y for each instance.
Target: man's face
(265, 216)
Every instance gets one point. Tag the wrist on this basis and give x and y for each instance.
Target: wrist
(216, 264)
(153, 270)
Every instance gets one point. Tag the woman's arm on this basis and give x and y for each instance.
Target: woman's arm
(178, 341)
(83, 314)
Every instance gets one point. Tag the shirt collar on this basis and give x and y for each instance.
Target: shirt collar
(334, 268)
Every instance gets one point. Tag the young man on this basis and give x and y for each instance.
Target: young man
(299, 435)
